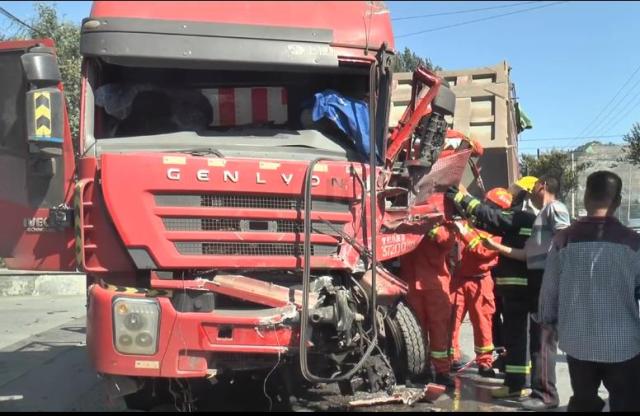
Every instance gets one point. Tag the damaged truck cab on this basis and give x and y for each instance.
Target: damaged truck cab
(234, 194)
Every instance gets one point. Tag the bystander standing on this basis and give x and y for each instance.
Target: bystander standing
(590, 292)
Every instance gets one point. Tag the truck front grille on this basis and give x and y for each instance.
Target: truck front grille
(258, 225)
(252, 249)
(248, 201)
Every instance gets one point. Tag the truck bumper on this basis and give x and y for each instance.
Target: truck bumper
(192, 344)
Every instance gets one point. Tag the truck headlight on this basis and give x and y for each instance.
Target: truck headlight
(135, 325)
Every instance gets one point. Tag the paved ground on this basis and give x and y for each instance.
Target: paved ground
(43, 366)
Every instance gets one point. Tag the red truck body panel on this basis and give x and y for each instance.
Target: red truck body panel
(355, 24)
(22, 246)
(141, 213)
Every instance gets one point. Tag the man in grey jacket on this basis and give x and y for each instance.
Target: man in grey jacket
(590, 292)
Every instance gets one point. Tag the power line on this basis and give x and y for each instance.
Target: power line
(15, 19)
(479, 20)
(570, 138)
(590, 124)
(464, 11)
(563, 147)
(624, 115)
(616, 107)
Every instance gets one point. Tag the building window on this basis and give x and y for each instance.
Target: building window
(483, 79)
(482, 108)
(482, 132)
(453, 81)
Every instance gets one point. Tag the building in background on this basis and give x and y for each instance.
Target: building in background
(486, 110)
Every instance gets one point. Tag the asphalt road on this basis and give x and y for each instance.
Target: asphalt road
(44, 367)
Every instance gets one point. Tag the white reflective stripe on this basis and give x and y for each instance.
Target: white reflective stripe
(244, 106)
(277, 109)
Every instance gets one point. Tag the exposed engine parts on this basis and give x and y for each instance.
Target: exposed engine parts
(428, 139)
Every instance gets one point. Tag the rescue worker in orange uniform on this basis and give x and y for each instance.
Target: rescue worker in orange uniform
(426, 272)
(472, 287)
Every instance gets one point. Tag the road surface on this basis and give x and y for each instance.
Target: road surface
(44, 367)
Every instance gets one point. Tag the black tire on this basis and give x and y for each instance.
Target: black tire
(405, 343)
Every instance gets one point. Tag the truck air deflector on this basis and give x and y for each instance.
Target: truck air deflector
(145, 42)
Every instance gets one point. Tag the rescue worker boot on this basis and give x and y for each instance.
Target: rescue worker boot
(499, 363)
(485, 371)
(456, 365)
(445, 379)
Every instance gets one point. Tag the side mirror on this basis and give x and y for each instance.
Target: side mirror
(44, 102)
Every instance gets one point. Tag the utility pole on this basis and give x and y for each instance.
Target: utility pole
(573, 190)
(629, 196)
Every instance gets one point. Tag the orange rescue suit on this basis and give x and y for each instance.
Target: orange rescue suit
(472, 291)
(426, 271)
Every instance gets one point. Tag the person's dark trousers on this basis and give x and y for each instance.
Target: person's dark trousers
(622, 381)
(497, 323)
(544, 348)
(515, 329)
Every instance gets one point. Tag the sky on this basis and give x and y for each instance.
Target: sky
(569, 60)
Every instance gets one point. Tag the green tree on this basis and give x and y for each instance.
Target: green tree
(408, 61)
(47, 24)
(632, 151)
(558, 164)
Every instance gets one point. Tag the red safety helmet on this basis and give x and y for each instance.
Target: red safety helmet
(500, 196)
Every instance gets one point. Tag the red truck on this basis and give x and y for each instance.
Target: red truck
(224, 222)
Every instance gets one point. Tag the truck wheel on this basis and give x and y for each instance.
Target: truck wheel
(405, 343)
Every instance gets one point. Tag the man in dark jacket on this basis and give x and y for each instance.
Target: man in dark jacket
(514, 226)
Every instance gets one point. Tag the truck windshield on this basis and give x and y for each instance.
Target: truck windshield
(241, 111)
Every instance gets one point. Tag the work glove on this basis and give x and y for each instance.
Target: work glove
(462, 201)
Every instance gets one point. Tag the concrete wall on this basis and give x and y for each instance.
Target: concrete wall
(28, 283)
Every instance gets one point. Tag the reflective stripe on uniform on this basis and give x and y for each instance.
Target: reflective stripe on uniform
(472, 206)
(515, 281)
(518, 369)
(488, 348)
(433, 232)
(473, 243)
(439, 354)
(525, 231)
(459, 196)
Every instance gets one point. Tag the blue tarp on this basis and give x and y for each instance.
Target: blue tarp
(349, 115)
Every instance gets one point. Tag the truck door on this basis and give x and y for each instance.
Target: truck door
(36, 160)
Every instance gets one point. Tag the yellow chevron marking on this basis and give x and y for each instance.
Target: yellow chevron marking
(44, 94)
(43, 131)
(43, 111)
(139, 291)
